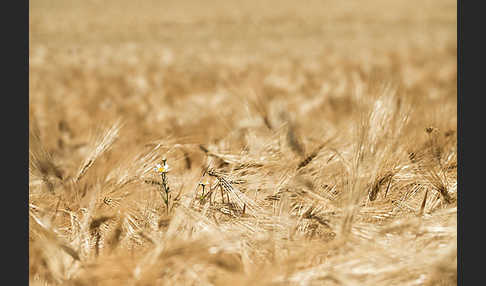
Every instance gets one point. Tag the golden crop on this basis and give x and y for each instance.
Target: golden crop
(243, 142)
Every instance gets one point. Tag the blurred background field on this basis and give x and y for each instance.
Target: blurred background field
(104, 51)
(255, 83)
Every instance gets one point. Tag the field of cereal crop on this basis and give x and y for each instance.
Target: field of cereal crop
(306, 143)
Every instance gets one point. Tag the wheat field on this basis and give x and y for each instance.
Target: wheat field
(243, 142)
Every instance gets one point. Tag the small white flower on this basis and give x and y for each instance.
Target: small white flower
(204, 183)
(161, 168)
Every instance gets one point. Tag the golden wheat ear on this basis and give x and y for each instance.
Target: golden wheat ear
(41, 163)
(104, 140)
